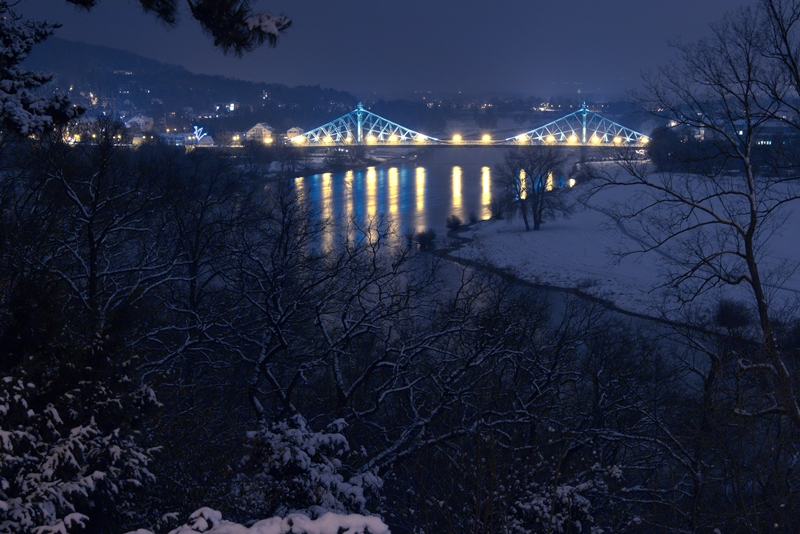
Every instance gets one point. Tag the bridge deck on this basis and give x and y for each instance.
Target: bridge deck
(581, 128)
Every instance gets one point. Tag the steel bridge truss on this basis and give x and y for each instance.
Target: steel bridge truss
(582, 128)
(362, 127)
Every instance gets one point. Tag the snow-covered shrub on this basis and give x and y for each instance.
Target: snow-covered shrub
(561, 507)
(210, 522)
(294, 469)
(564, 508)
(66, 457)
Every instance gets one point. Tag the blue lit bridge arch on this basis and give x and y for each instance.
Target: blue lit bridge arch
(362, 127)
(581, 128)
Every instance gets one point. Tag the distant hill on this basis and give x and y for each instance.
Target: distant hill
(109, 80)
(70, 57)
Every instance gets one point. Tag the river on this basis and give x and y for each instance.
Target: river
(416, 193)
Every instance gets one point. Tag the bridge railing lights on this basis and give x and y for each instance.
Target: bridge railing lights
(327, 140)
(298, 140)
(550, 139)
(617, 140)
(393, 138)
(371, 139)
(572, 139)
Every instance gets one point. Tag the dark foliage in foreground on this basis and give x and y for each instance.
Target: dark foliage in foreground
(267, 333)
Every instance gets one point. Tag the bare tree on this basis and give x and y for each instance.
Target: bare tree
(715, 227)
(528, 177)
(781, 20)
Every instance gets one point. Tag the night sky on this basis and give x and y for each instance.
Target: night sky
(524, 47)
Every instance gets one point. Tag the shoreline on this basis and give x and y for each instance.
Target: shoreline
(457, 242)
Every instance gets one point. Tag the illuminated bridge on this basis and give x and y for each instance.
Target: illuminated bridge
(581, 128)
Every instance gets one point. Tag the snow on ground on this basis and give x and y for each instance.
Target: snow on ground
(210, 521)
(581, 252)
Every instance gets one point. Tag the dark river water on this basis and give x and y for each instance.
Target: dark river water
(415, 193)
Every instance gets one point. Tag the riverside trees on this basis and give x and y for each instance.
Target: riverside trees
(527, 176)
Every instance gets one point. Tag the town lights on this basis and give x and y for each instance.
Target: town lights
(456, 138)
(486, 138)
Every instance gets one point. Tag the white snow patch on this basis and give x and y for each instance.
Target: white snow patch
(210, 521)
(267, 23)
(581, 252)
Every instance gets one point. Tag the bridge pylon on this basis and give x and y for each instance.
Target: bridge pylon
(362, 127)
(581, 128)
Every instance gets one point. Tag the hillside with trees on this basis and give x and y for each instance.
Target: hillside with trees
(106, 80)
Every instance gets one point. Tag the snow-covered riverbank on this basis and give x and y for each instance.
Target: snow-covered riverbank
(582, 253)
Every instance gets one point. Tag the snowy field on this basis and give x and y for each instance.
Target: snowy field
(582, 252)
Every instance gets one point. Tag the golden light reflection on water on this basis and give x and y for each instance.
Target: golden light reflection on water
(348, 187)
(348, 205)
(372, 204)
(549, 184)
(456, 188)
(393, 190)
(420, 176)
(300, 191)
(486, 194)
(327, 196)
(327, 211)
(523, 189)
